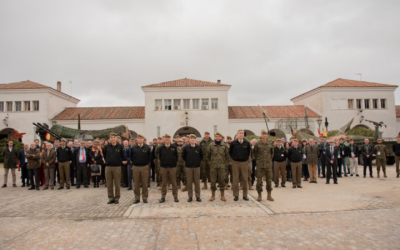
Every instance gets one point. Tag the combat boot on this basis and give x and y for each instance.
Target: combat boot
(250, 187)
(259, 198)
(205, 185)
(212, 196)
(184, 188)
(269, 197)
(223, 195)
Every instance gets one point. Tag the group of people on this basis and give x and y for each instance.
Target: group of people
(189, 161)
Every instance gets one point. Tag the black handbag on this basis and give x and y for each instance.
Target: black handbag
(95, 169)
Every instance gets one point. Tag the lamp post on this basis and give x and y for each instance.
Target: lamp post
(187, 121)
(319, 121)
(326, 123)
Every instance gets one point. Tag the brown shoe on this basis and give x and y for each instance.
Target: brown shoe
(184, 188)
(45, 188)
(212, 198)
(52, 188)
(269, 197)
(223, 195)
(259, 198)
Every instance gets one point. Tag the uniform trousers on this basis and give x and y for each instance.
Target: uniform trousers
(296, 173)
(113, 179)
(240, 168)
(141, 177)
(280, 171)
(65, 177)
(193, 177)
(168, 174)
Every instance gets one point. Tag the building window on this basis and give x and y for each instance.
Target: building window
(359, 103)
(1, 106)
(186, 103)
(177, 104)
(9, 106)
(214, 103)
(158, 104)
(196, 103)
(375, 103)
(350, 104)
(366, 103)
(35, 105)
(27, 106)
(167, 104)
(383, 103)
(204, 103)
(18, 106)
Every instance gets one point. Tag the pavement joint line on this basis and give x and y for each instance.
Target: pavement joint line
(339, 211)
(129, 211)
(262, 206)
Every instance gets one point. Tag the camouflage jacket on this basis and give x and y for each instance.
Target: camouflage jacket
(157, 149)
(263, 152)
(205, 146)
(180, 159)
(380, 151)
(218, 155)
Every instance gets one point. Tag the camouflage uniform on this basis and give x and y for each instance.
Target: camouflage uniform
(218, 156)
(380, 156)
(205, 164)
(263, 152)
(180, 168)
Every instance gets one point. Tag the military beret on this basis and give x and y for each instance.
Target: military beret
(167, 136)
(119, 137)
(192, 136)
(229, 137)
(263, 131)
(218, 133)
(113, 134)
(139, 136)
(207, 132)
(63, 139)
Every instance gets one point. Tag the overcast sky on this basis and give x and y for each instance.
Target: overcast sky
(270, 51)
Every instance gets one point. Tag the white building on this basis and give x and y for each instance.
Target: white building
(22, 103)
(341, 100)
(192, 106)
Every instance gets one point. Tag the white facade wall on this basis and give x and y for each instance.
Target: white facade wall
(49, 103)
(337, 118)
(170, 121)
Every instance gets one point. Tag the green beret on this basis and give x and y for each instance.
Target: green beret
(263, 131)
(113, 134)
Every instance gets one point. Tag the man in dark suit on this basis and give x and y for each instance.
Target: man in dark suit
(22, 163)
(366, 151)
(322, 148)
(81, 158)
(331, 154)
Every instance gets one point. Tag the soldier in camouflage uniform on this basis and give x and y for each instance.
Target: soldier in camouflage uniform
(157, 165)
(380, 156)
(264, 152)
(180, 167)
(218, 156)
(228, 165)
(205, 164)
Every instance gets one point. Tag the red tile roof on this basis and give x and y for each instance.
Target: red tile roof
(186, 83)
(350, 83)
(23, 85)
(398, 111)
(248, 112)
(95, 113)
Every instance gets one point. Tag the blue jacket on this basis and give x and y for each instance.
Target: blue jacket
(128, 155)
(22, 158)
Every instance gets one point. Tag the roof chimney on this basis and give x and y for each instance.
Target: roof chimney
(59, 86)
(218, 81)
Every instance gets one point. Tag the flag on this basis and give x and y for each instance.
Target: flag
(48, 136)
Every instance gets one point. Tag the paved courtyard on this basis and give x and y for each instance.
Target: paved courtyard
(356, 214)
